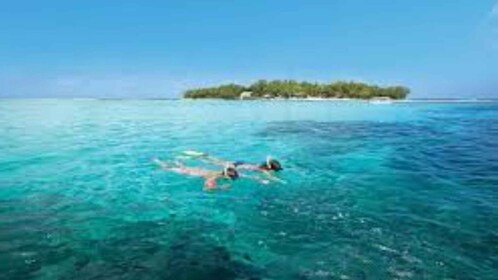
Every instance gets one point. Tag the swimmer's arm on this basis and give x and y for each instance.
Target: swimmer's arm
(255, 178)
(273, 177)
(249, 167)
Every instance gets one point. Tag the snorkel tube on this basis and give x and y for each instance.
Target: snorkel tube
(268, 162)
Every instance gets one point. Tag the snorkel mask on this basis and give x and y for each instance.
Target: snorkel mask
(230, 172)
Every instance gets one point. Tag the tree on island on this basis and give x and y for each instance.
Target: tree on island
(294, 89)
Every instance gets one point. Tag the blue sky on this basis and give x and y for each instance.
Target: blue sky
(149, 49)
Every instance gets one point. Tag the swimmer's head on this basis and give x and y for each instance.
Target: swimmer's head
(231, 172)
(271, 164)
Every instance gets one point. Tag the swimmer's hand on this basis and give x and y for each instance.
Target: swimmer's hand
(210, 185)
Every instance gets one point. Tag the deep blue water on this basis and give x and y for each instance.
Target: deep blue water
(393, 191)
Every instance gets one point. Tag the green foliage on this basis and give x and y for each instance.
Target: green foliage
(230, 91)
(294, 89)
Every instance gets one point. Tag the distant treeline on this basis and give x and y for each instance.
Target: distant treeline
(294, 89)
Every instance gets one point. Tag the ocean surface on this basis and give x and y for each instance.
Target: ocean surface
(375, 191)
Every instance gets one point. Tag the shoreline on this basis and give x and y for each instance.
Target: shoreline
(422, 100)
(372, 101)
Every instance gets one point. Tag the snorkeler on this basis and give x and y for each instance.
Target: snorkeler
(210, 177)
(268, 167)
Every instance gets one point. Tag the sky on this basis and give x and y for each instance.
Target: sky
(157, 49)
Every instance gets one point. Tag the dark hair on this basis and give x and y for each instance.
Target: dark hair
(231, 172)
(272, 164)
(275, 165)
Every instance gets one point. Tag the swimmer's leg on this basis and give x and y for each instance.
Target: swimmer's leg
(162, 164)
(176, 167)
(206, 158)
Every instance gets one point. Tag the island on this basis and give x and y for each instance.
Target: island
(290, 89)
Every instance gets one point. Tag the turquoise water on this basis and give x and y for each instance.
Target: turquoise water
(400, 191)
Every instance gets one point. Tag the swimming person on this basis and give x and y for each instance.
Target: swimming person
(268, 167)
(210, 177)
